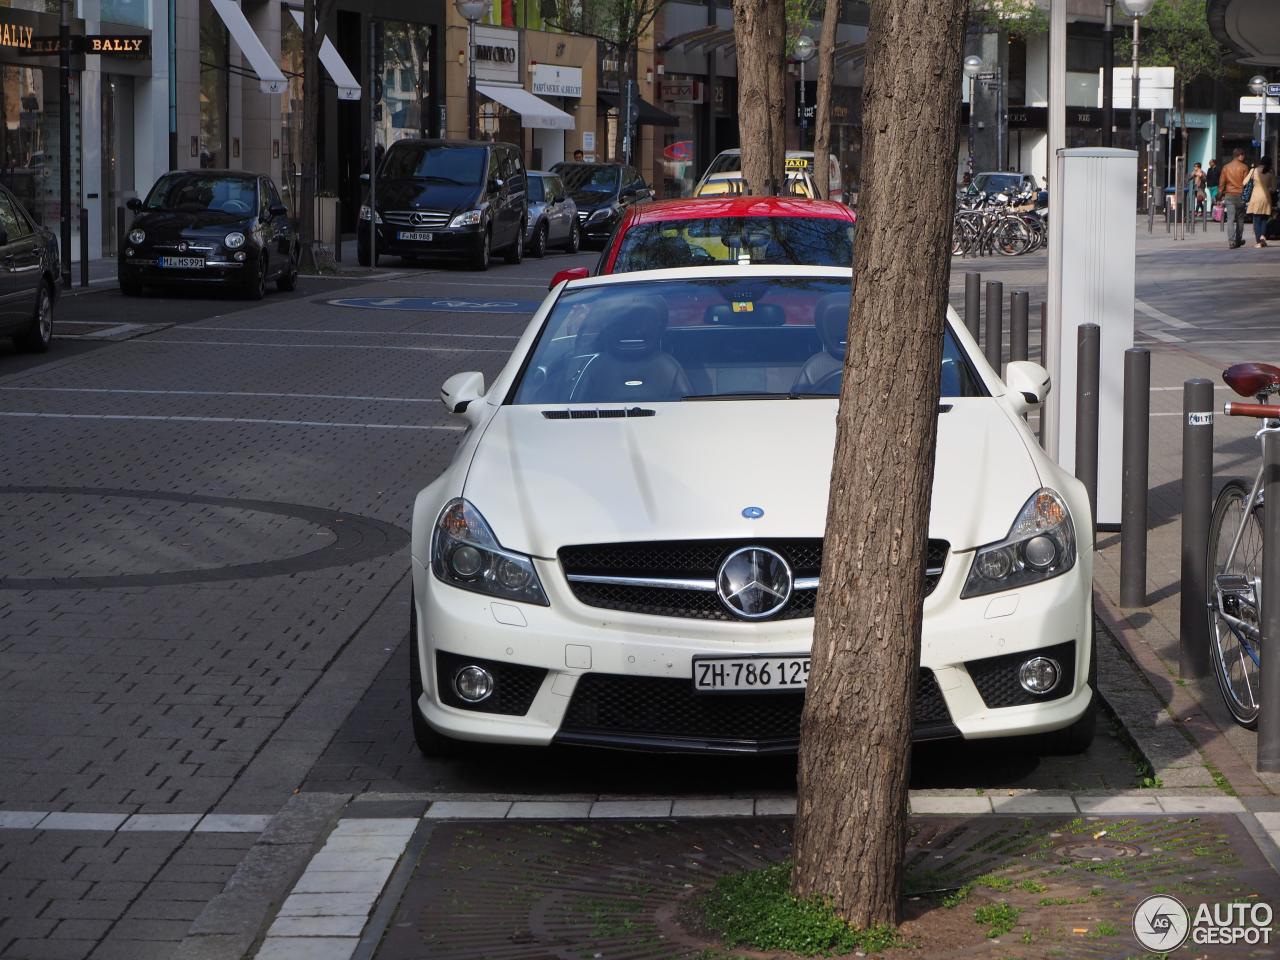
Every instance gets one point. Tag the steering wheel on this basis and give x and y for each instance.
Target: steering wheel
(235, 206)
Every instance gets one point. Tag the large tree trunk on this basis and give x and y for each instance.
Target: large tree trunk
(310, 108)
(759, 32)
(856, 733)
(822, 108)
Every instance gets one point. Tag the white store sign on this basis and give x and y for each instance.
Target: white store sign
(550, 80)
(497, 54)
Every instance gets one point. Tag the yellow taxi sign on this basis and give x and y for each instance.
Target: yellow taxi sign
(796, 163)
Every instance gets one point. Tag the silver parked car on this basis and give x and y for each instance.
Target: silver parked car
(553, 216)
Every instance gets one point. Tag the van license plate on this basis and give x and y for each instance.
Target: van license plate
(415, 235)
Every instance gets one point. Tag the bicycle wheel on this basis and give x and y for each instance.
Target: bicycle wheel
(964, 235)
(1012, 238)
(1235, 652)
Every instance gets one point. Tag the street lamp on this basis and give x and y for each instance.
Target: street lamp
(471, 11)
(1258, 84)
(1137, 9)
(803, 53)
(972, 67)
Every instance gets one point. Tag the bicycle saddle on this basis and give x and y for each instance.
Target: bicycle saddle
(1252, 379)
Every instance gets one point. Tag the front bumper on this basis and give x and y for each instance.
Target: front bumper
(598, 232)
(216, 269)
(967, 688)
(444, 242)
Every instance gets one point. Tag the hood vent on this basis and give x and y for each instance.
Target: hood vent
(612, 414)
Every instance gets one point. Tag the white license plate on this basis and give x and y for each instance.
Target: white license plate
(750, 673)
(182, 263)
(415, 235)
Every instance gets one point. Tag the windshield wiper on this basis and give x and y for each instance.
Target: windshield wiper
(434, 176)
(736, 396)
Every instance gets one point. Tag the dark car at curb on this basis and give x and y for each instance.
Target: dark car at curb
(29, 270)
(447, 199)
(603, 192)
(219, 227)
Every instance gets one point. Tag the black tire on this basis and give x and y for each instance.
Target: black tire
(574, 242)
(515, 252)
(131, 288)
(538, 249)
(1226, 653)
(39, 335)
(288, 279)
(255, 287)
(430, 743)
(1076, 739)
(480, 260)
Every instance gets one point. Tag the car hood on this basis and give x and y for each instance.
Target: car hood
(689, 471)
(163, 224)
(591, 202)
(426, 195)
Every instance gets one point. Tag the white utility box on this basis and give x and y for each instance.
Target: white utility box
(1091, 280)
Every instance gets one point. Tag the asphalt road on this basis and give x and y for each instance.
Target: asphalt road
(203, 592)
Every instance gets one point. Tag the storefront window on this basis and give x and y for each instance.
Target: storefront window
(29, 140)
(680, 96)
(134, 12)
(38, 6)
(406, 88)
(213, 88)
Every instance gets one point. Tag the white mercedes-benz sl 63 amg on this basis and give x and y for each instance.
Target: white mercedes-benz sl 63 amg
(625, 550)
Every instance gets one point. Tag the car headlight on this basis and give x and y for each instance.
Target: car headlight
(604, 213)
(468, 219)
(1041, 545)
(233, 240)
(136, 236)
(365, 212)
(466, 554)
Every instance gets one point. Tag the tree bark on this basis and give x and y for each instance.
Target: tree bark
(822, 106)
(856, 730)
(310, 108)
(759, 32)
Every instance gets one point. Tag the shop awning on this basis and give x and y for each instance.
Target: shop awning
(334, 65)
(270, 79)
(649, 114)
(534, 111)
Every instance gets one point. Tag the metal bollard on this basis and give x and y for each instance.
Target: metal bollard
(84, 247)
(1018, 306)
(1197, 506)
(1133, 489)
(120, 237)
(1088, 345)
(995, 323)
(1269, 718)
(973, 303)
(337, 228)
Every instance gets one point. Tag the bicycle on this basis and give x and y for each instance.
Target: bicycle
(1235, 556)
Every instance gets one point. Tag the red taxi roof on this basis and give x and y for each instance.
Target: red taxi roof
(691, 208)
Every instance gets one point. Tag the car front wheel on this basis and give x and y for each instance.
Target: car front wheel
(40, 334)
(256, 284)
(288, 279)
(538, 248)
(480, 261)
(515, 252)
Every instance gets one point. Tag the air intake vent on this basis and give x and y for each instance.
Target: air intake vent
(611, 414)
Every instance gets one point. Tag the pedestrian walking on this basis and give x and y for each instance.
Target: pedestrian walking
(1263, 181)
(1211, 179)
(1196, 190)
(1231, 188)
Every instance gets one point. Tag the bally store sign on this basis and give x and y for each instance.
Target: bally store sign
(552, 81)
(497, 55)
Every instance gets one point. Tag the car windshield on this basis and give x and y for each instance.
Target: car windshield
(725, 163)
(713, 338)
(200, 193)
(997, 182)
(812, 241)
(590, 181)
(537, 190)
(462, 165)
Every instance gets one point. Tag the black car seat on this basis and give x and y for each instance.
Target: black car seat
(831, 318)
(630, 364)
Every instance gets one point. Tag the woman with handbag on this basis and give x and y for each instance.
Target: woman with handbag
(1257, 198)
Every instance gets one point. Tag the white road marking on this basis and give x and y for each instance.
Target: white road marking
(225, 393)
(316, 346)
(237, 420)
(1155, 314)
(355, 333)
(1162, 336)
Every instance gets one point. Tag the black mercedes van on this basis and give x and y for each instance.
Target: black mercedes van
(449, 199)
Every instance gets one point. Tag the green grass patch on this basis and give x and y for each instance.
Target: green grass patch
(1220, 781)
(998, 918)
(1032, 886)
(756, 909)
(1105, 929)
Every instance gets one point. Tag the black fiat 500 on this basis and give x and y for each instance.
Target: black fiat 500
(210, 226)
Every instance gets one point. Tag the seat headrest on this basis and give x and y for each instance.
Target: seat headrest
(831, 317)
(636, 330)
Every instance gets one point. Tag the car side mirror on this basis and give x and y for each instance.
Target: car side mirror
(278, 210)
(1028, 384)
(496, 184)
(364, 177)
(572, 273)
(134, 204)
(461, 390)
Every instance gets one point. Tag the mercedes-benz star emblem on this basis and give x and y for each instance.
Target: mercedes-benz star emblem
(420, 218)
(754, 583)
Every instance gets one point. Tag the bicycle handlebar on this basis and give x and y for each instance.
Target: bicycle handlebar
(1260, 410)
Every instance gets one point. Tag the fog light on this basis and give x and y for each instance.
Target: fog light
(240, 255)
(1039, 675)
(128, 252)
(473, 683)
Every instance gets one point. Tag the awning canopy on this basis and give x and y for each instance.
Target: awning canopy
(334, 65)
(534, 111)
(270, 79)
(649, 114)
